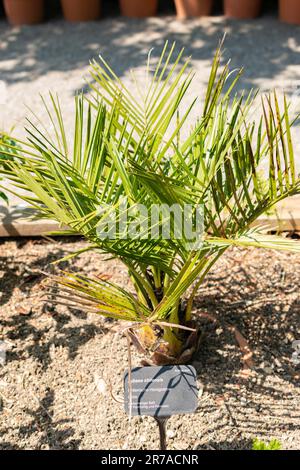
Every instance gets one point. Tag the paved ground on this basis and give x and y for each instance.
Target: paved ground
(55, 55)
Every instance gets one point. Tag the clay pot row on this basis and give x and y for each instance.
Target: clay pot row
(241, 9)
(289, 10)
(32, 11)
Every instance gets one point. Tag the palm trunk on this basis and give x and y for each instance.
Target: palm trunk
(167, 344)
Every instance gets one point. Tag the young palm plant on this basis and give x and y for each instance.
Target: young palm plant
(128, 146)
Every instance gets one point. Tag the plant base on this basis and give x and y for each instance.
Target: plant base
(150, 343)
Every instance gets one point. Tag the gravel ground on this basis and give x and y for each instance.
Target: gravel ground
(52, 394)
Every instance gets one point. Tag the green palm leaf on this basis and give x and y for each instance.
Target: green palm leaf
(127, 144)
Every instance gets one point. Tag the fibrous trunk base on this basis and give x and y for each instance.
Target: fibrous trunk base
(150, 342)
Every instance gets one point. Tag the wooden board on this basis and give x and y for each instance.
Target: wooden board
(14, 222)
(285, 218)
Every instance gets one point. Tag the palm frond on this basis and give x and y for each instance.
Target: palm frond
(99, 296)
(128, 143)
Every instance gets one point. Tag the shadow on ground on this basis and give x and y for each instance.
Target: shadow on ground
(252, 290)
(25, 275)
(30, 281)
(44, 425)
(264, 320)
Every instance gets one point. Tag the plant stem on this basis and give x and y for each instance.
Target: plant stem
(188, 313)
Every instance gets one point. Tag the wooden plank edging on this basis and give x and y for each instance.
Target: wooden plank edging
(14, 224)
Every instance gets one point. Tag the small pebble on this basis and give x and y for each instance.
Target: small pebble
(277, 363)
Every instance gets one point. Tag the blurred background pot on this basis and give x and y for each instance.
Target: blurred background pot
(20, 12)
(242, 9)
(289, 11)
(81, 10)
(138, 8)
(190, 8)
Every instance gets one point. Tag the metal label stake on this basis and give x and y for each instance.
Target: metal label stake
(162, 426)
(161, 392)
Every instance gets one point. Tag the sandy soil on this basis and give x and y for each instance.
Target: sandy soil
(52, 394)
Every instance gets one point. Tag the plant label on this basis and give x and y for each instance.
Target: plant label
(161, 391)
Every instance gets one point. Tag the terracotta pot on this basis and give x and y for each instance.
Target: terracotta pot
(242, 9)
(138, 8)
(20, 12)
(289, 11)
(81, 10)
(190, 8)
